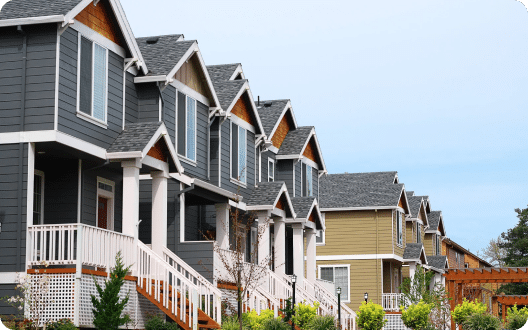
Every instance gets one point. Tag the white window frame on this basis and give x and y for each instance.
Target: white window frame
(338, 266)
(320, 233)
(108, 195)
(42, 177)
(271, 160)
(184, 157)
(90, 117)
(399, 229)
(309, 179)
(236, 180)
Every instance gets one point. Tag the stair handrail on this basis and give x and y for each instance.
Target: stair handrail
(346, 311)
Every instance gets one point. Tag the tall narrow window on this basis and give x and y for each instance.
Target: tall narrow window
(238, 153)
(399, 228)
(191, 128)
(38, 198)
(93, 80)
(186, 135)
(438, 252)
(309, 181)
(271, 170)
(418, 233)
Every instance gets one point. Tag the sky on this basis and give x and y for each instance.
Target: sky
(436, 90)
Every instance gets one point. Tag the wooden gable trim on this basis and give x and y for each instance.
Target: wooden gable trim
(400, 203)
(282, 130)
(192, 75)
(159, 151)
(310, 151)
(242, 109)
(101, 19)
(282, 203)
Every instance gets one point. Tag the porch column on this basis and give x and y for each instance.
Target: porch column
(310, 255)
(412, 269)
(130, 196)
(279, 232)
(159, 211)
(298, 251)
(263, 238)
(222, 225)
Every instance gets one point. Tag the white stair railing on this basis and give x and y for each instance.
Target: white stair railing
(391, 302)
(209, 296)
(330, 303)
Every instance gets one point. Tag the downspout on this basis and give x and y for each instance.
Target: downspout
(378, 278)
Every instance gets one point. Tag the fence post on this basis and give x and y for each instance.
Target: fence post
(78, 276)
(194, 309)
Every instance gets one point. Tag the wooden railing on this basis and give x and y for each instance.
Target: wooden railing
(391, 301)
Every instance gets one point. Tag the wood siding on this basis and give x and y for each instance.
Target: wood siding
(192, 75)
(159, 151)
(242, 109)
(282, 130)
(102, 20)
(310, 151)
(429, 244)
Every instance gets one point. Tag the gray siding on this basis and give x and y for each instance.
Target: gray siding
(7, 290)
(285, 173)
(13, 203)
(69, 123)
(34, 91)
(169, 111)
(131, 100)
(148, 102)
(226, 159)
(264, 159)
(214, 152)
(298, 179)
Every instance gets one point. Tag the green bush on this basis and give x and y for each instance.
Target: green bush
(482, 321)
(254, 321)
(326, 322)
(304, 314)
(371, 316)
(156, 322)
(516, 318)
(467, 308)
(230, 323)
(64, 324)
(276, 324)
(416, 316)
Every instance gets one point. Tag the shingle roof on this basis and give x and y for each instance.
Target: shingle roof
(222, 72)
(270, 115)
(414, 204)
(342, 190)
(295, 141)
(161, 57)
(434, 219)
(227, 91)
(380, 178)
(134, 137)
(265, 193)
(413, 251)
(33, 8)
(437, 262)
(302, 205)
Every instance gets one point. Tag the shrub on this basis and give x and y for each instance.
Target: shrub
(252, 320)
(416, 316)
(482, 321)
(326, 322)
(230, 323)
(371, 316)
(466, 308)
(275, 324)
(516, 318)
(64, 324)
(304, 314)
(156, 322)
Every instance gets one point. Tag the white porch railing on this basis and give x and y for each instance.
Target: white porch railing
(330, 303)
(391, 301)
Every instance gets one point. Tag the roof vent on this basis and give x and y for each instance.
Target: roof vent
(152, 40)
(268, 104)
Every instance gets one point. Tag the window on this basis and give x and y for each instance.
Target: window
(466, 265)
(38, 198)
(105, 204)
(438, 252)
(418, 233)
(320, 237)
(93, 80)
(338, 274)
(307, 180)
(186, 127)
(271, 170)
(399, 228)
(238, 153)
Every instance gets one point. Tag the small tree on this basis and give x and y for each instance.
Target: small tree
(516, 318)
(107, 309)
(493, 252)
(416, 316)
(304, 314)
(482, 321)
(467, 308)
(418, 288)
(371, 316)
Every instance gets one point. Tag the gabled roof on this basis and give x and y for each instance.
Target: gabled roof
(436, 221)
(296, 142)
(271, 113)
(415, 203)
(224, 72)
(266, 195)
(438, 262)
(305, 206)
(162, 56)
(27, 12)
(337, 192)
(227, 91)
(136, 140)
(414, 252)
(371, 178)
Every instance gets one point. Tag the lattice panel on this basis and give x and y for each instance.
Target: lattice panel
(394, 322)
(59, 296)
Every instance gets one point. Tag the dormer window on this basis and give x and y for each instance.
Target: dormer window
(238, 153)
(93, 81)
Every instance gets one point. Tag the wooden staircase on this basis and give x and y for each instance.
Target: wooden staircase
(204, 320)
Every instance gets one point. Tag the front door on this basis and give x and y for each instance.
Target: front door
(102, 213)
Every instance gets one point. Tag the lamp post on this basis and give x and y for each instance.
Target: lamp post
(293, 279)
(366, 297)
(339, 308)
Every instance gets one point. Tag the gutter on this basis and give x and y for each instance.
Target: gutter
(32, 20)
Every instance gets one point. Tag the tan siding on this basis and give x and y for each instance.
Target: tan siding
(429, 244)
(422, 232)
(405, 272)
(192, 75)
(410, 231)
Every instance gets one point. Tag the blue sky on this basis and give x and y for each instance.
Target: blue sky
(437, 91)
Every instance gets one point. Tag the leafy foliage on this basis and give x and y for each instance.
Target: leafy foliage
(516, 318)
(276, 324)
(416, 316)
(229, 323)
(467, 308)
(287, 310)
(371, 316)
(254, 321)
(482, 321)
(304, 314)
(326, 322)
(107, 308)
(417, 289)
(64, 324)
(156, 322)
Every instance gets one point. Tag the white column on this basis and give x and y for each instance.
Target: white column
(310, 255)
(263, 239)
(298, 251)
(159, 211)
(279, 232)
(130, 196)
(412, 269)
(222, 225)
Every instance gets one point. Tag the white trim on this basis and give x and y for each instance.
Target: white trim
(91, 119)
(160, 110)
(156, 163)
(271, 160)
(98, 38)
(8, 277)
(57, 76)
(79, 191)
(124, 97)
(232, 179)
(284, 111)
(123, 155)
(30, 184)
(273, 149)
(32, 20)
(187, 160)
(78, 103)
(111, 202)
(238, 182)
(186, 57)
(182, 214)
(310, 162)
(293, 166)
(260, 164)
(359, 257)
(242, 123)
(43, 178)
(147, 79)
(347, 266)
(362, 208)
(323, 235)
(189, 91)
(237, 71)
(208, 78)
(295, 157)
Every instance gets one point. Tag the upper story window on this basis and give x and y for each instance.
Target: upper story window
(271, 170)
(399, 228)
(418, 233)
(238, 153)
(307, 180)
(340, 275)
(438, 252)
(320, 237)
(187, 129)
(93, 80)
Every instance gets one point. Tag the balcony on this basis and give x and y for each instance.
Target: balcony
(391, 301)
